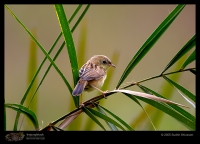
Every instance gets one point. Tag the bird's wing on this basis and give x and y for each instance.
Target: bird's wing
(91, 72)
(82, 70)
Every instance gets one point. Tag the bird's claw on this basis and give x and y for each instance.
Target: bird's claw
(104, 94)
(81, 105)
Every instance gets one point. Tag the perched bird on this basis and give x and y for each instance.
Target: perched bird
(92, 74)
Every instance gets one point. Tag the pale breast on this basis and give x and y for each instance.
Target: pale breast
(97, 83)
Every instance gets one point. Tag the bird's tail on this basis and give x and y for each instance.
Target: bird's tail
(79, 87)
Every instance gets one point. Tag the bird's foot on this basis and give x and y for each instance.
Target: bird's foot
(104, 94)
(81, 105)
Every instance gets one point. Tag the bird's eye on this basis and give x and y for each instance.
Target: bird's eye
(104, 62)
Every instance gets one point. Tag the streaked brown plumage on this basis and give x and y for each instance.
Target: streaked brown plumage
(92, 74)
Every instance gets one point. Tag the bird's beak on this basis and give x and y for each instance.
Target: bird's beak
(112, 65)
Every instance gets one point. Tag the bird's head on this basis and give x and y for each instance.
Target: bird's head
(102, 61)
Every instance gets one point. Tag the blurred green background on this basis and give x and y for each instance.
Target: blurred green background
(109, 29)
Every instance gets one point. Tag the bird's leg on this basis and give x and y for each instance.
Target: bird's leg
(81, 100)
(103, 93)
(81, 103)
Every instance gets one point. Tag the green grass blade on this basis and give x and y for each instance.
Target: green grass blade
(173, 110)
(111, 126)
(76, 100)
(118, 118)
(190, 44)
(167, 91)
(46, 54)
(190, 59)
(193, 71)
(32, 81)
(182, 89)
(148, 96)
(75, 12)
(22, 109)
(161, 106)
(105, 118)
(141, 118)
(80, 57)
(81, 16)
(70, 44)
(150, 42)
(68, 40)
(175, 107)
(93, 117)
(81, 52)
(49, 65)
(133, 98)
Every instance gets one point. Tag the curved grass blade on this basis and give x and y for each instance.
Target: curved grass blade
(22, 109)
(118, 118)
(190, 59)
(149, 96)
(183, 90)
(70, 44)
(112, 127)
(27, 91)
(171, 106)
(75, 12)
(105, 118)
(93, 117)
(193, 71)
(161, 106)
(82, 15)
(68, 40)
(46, 54)
(190, 44)
(54, 44)
(133, 98)
(150, 42)
(141, 118)
(166, 90)
(81, 51)
(76, 100)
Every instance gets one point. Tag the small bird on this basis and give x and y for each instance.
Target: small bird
(92, 74)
